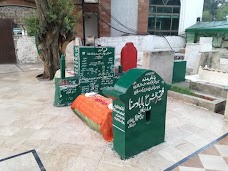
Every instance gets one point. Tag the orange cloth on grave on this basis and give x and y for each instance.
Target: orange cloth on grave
(96, 108)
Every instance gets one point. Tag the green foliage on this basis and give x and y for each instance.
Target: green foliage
(32, 25)
(215, 10)
(222, 13)
(211, 6)
(207, 16)
(182, 90)
(60, 14)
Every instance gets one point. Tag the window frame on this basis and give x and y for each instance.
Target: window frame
(156, 15)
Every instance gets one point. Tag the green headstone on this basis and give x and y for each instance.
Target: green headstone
(179, 71)
(66, 91)
(139, 111)
(95, 67)
(93, 71)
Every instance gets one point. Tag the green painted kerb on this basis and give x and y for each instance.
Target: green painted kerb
(139, 111)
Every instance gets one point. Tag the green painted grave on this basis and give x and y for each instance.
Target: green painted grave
(95, 67)
(139, 111)
(66, 91)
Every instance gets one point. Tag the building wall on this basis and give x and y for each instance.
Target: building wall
(129, 16)
(132, 13)
(142, 44)
(143, 12)
(79, 27)
(17, 13)
(91, 25)
(17, 3)
(104, 29)
(26, 51)
(190, 11)
(121, 9)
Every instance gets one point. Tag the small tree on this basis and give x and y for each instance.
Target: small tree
(53, 26)
(211, 6)
(207, 16)
(222, 13)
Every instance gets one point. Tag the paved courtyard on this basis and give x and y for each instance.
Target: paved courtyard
(61, 141)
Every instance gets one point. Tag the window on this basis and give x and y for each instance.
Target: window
(164, 17)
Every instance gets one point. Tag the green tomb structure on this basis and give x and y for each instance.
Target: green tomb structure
(94, 67)
(93, 71)
(139, 111)
(66, 89)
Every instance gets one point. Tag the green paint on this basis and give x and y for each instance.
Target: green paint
(208, 27)
(179, 71)
(66, 91)
(139, 110)
(220, 39)
(120, 69)
(94, 71)
(95, 68)
(62, 66)
(87, 121)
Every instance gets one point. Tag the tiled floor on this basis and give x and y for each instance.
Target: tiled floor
(214, 156)
(25, 161)
(28, 120)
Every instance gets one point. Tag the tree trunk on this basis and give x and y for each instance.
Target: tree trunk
(51, 43)
(48, 43)
(51, 51)
(50, 55)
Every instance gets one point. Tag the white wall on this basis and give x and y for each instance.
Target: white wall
(214, 76)
(126, 11)
(26, 50)
(154, 60)
(142, 44)
(190, 11)
(224, 64)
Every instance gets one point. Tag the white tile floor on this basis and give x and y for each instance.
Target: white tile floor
(28, 120)
(24, 162)
(213, 162)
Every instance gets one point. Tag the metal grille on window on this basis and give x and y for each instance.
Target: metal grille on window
(164, 17)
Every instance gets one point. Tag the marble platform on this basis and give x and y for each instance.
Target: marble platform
(29, 120)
